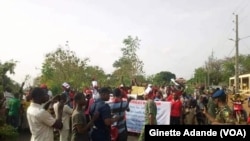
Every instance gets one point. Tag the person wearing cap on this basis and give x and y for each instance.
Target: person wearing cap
(224, 115)
(66, 91)
(47, 90)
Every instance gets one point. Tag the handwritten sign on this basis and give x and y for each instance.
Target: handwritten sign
(137, 90)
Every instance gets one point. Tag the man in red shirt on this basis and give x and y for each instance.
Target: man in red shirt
(176, 110)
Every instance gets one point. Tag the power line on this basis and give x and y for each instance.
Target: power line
(247, 47)
(240, 10)
(237, 10)
(227, 31)
(239, 7)
(231, 52)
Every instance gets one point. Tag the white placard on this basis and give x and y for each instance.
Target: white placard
(135, 117)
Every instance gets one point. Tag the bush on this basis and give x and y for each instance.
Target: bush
(7, 132)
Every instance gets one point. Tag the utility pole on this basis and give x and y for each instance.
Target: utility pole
(236, 82)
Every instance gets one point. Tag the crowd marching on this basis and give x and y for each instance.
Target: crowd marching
(99, 113)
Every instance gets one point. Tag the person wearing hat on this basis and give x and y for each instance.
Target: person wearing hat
(47, 90)
(223, 115)
(66, 91)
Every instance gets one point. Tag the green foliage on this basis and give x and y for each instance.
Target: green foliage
(244, 64)
(6, 67)
(8, 132)
(218, 71)
(64, 66)
(129, 65)
(60, 66)
(163, 78)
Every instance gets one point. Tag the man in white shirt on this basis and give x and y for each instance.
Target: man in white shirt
(67, 112)
(41, 122)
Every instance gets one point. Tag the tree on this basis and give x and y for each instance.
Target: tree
(163, 78)
(200, 76)
(7, 67)
(63, 66)
(228, 69)
(129, 65)
(244, 64)
(7, 132)
(94, 72)
(213, 69)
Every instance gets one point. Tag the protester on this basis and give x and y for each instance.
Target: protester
(176, 109)
(67, 112)
(101, 129)
(89, 102)
(80, 127)
(66, 90)
(118, 108)
(7, 96)
(41, 122)
(211, 107)
(150, 115)
(14, 110)
(95, 88)
(158, 96)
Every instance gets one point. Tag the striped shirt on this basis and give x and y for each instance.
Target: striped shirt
(116, 107)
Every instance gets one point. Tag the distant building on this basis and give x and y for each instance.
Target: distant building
(244, 83)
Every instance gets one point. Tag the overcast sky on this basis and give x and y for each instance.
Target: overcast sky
(176, 35)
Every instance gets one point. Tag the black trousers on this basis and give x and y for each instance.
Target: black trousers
(175, 120)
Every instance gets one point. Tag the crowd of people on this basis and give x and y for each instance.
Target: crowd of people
(99, 113)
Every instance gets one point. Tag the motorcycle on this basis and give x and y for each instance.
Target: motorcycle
(238, 110)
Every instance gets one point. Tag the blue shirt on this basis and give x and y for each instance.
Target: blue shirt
(101, 132)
